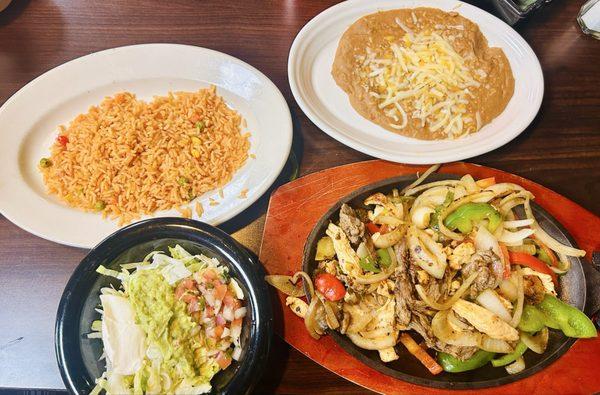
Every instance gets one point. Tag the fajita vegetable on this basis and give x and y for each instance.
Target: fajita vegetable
(449, 264)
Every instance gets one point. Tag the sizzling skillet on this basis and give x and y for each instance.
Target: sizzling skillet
(407, 368)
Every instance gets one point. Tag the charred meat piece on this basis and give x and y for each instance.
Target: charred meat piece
(534, 289)
(404, 289)
(351, 225)
(489, 268)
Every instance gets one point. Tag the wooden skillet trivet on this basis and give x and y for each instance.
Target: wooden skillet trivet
(296, 207)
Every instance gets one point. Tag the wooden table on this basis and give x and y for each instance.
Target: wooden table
(560, 150)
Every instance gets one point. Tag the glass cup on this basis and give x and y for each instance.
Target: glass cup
(589, 18)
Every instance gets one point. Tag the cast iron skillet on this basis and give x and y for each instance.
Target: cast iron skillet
(78, 356)
(407, 367)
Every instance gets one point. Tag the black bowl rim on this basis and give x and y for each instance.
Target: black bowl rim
(163, 228)
(351, 349)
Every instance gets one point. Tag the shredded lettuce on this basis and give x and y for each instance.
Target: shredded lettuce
(176, 359)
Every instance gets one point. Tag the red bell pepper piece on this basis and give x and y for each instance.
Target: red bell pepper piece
(520, 258)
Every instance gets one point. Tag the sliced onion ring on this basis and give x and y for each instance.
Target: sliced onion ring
(448, 303)
(516, 367)
(520, 299)
(547, 239)
(285, 285)
(537, 343)
(419, 180)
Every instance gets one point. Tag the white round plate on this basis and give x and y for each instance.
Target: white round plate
(29, 123)
(327, 105)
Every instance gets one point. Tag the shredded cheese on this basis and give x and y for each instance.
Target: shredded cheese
(422, 72)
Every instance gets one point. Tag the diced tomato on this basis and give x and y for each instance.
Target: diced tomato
(188, 283)
(330, 287)
(220, 290)
(486, 182)
(505, 260)
(230, 301)
(209, 311)
(179, 291)
(223, 360)
(236, 323)
(62, 140)
(210, 275)
(219, 330)
(372, 228)
(521, 258)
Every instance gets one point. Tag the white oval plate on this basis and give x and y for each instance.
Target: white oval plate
(327, 105)
(29, 123)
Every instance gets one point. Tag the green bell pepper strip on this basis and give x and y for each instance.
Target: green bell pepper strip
(544, 257)
(454, 365)
(532, 319)
(570, 320)
(433, 221)
(463, 217)
(369, 264)
(510, 358)
(384, 257)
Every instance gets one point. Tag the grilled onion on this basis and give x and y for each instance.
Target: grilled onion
(547, 239)
(537, 343)
(285, 285)
(448, 303)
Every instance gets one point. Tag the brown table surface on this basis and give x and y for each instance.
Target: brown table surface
(561, 149)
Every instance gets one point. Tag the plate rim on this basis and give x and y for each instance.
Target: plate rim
(286, 143)
(416, 158)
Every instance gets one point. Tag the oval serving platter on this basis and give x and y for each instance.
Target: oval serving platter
(328, 107)
(407, 367)
(34, 113)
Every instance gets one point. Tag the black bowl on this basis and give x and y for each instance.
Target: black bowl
(78, 356)
(407, 368)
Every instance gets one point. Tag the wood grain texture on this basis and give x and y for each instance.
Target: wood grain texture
(560, 150)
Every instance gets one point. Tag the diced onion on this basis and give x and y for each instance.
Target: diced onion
(237, 353)
(240, 313)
